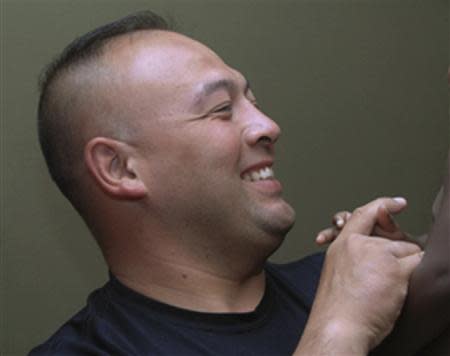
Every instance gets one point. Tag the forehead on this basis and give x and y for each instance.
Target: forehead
(161, 74)
(166, 59)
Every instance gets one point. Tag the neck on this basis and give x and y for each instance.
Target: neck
(163, 268)
(184, 286)
(186, 269)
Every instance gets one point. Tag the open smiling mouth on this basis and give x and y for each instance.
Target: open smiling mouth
(259, 174)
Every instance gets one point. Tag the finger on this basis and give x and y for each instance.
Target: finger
(409, 263)
(340, 218)
(386, 225)
(364, 218)
(326, 236)
(401, 249)
(348, 215)
(397, 235)
(391, 235)
(385, 220)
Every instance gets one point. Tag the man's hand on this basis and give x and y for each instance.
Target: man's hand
(362, 287)
(385, 226)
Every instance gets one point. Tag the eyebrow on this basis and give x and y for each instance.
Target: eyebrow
(211, 87)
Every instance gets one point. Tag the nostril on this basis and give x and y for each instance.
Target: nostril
(265, 139)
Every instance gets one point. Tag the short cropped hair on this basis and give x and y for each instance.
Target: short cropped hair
(55, 129)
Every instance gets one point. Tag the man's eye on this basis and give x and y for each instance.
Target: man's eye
(223, 109)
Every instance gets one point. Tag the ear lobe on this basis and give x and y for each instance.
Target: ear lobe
(108, 161)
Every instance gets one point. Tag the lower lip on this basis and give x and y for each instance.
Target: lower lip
(267, 185)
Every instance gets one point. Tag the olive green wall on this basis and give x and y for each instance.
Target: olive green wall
(359, 88)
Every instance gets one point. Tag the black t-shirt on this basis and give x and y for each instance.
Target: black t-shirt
(120, 321)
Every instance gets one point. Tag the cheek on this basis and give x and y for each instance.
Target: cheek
(205, 154)
(217, 147)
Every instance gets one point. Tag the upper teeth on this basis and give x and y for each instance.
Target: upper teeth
(263, 173)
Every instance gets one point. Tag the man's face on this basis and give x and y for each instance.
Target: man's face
(205, 149)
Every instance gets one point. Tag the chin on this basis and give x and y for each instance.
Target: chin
(279, 225)
(275, 235)
(283, 229)
(287, 218)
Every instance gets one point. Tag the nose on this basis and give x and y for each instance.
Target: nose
(261, 130)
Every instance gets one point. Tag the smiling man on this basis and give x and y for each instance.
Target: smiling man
(164, 152)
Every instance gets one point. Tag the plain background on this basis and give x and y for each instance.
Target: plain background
(358, 87)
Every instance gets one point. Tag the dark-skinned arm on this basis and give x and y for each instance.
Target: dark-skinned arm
(425, 316)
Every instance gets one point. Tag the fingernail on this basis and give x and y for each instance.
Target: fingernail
(400, 200)
(339, 222)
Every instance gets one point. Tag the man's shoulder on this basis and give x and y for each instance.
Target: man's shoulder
(76, 336)
(301, 276)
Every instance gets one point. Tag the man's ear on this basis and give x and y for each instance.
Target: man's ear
(111, 165)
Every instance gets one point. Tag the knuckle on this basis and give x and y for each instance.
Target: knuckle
(381, 200)
(379, 203)
(355, 243)
(353, 237)
(387, 247)
(358, 211)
